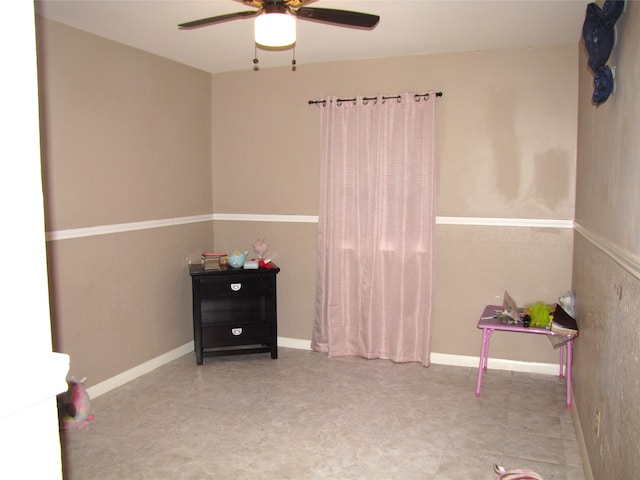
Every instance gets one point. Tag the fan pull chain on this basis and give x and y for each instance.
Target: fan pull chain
(255, 58)
(293, 61)
(256, 61)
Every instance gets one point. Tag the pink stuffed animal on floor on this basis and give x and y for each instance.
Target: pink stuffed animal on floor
(74, 406)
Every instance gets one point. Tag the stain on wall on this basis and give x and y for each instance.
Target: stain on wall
(553, 182)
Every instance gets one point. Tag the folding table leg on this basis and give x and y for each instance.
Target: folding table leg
(569, 346)
(484, 355)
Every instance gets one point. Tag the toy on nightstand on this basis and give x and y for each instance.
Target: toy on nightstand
(237, 258)
(260, 246)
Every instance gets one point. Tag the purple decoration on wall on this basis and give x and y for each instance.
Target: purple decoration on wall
(598, 37)
(598, 34)
(602, 85)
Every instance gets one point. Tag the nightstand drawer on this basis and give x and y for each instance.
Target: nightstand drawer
(236, 286)
(241, 334)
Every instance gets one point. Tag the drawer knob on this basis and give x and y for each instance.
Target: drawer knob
(236, 286)
(236, 331)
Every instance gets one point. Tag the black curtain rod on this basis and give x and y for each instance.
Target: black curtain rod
(395, 97)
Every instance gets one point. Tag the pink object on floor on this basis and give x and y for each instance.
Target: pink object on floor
(74, 406)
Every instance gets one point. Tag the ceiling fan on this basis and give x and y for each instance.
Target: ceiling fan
(294, 9)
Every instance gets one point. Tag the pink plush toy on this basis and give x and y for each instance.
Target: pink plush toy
(74, 406)
(260, 246)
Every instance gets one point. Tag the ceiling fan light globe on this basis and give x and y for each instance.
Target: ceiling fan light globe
(275, 29)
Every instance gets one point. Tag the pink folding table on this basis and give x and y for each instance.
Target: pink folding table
(490, 322)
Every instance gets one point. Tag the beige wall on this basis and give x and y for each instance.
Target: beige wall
(506, 147)
(126, 139)
(126, 133)
(606, 273)
(506, 131)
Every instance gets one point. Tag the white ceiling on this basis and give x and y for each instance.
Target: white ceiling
(405, 28)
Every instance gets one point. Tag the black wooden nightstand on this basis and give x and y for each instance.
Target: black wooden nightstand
(234, 311)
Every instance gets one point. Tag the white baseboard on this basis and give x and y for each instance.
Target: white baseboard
(135, 372)
(582, 446)
(296, 343)
(301, 344)
(495, 364)
(455, 360)
(146, 367)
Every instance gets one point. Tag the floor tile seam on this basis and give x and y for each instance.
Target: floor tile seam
(528, 414)
(541, 437)
(541, 456)
(523, 460)
(551, 429)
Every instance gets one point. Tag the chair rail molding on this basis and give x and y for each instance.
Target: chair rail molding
(626, 259)
(255, 217)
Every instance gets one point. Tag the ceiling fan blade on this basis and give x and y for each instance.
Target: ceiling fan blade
(203, 22)
(340, 17)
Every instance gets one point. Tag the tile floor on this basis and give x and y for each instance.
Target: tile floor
(305, 416)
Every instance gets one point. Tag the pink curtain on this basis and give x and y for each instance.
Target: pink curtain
(374, 295)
